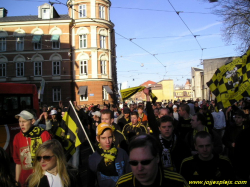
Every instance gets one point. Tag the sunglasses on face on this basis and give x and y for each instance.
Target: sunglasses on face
(143, 162)
(45, 158)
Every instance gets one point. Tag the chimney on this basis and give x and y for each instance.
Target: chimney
(3, 12)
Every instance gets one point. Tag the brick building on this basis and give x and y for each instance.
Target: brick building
(73, 53)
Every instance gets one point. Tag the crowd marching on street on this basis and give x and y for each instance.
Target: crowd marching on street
(152, 143)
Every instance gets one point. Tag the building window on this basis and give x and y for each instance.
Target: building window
(83, 41)
(55, 41)
(37, 68)
(2, 70)
(103, 67)
(83, 67)
(105, 95)
(45, 13)
(2, 44)
(102, 42)
(83, 98)
(37, 41)
(102, 12)
(19, 44)
(82, 11)
(56, 94)
(56, 67)
(19, 69)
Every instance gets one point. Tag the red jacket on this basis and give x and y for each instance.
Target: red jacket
(21, 154)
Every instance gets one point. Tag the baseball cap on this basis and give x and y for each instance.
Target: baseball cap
(174, 106)
(100, 128)
(96, 113)
(53, 112)
(25, 115)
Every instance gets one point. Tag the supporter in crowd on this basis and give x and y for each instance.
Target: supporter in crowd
(219, 121)
(175, 113)
(6, 177)
(156, 113)
(108, 163)
(198, 123)
(119, 140)
(184, 125)
(206, 166)
(233, 131)
(50, 167)
(209, 117)
(196, 107)
(133, 128)
(142, 116)
(96, 120)
(116, 113)
(25, 144)
(125, 119)
(145, 161)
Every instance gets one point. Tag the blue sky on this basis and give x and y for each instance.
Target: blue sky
(155, 27)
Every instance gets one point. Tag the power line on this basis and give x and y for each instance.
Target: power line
(120, 35)
(160, 10)
(155, 37)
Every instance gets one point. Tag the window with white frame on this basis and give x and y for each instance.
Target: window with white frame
(55, 41)
(83, 67)
(2, 70)
(102, 42)
(105, 95)
(82, 11)
(38, 43)
(56, 67)
(103, 67)
(83, 40)
(37, 68)
(19, 43)
(2, 44)
(102, 12)
(56, 94)
(19, 69)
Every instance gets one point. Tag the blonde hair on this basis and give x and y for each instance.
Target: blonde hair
(57, 149)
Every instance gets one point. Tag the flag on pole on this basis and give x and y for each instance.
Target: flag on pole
(72, 127)
(231, 82)
(127, 93)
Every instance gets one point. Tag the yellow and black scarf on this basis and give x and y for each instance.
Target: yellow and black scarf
(107, 164)
(34, 133)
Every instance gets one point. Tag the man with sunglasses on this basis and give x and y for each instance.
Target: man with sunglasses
(145, 162)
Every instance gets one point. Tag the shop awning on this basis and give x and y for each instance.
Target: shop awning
(55, 38)
(36, 38)
(83, 91)
(107, 88)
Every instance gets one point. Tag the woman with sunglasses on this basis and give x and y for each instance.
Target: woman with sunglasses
(108, 163)
(50, 167)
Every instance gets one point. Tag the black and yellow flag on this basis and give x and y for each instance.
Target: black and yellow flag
(231, 82)
(127, 93)
(72, 127)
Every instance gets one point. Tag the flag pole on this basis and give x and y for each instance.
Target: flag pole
(82, 127)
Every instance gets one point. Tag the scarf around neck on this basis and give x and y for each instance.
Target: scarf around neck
(34, 133)
(107, 163)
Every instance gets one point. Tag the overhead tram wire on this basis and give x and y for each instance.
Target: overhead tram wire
(178, 13)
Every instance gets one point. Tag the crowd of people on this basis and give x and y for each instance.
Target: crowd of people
(172, 143)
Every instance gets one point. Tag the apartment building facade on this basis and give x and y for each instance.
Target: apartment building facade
(72, 54)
